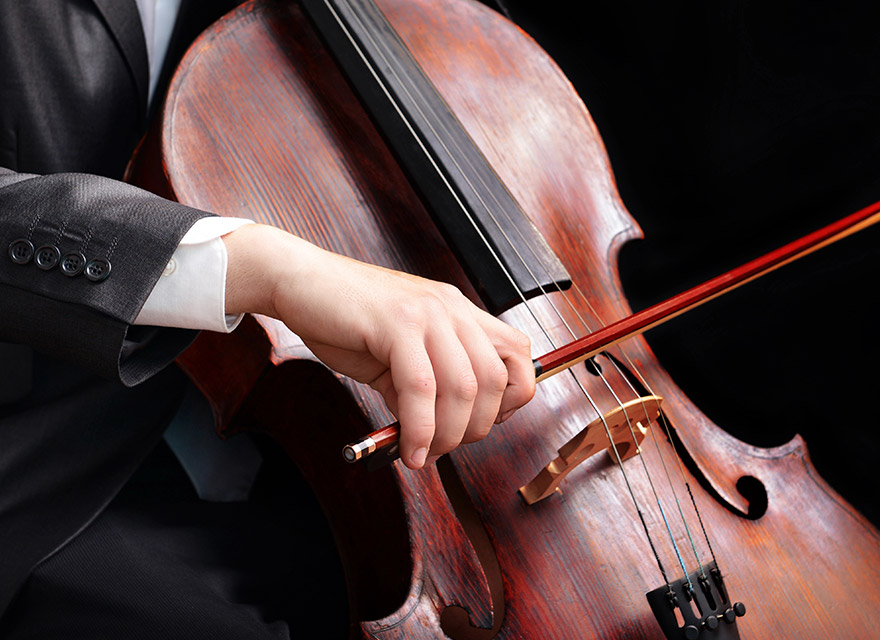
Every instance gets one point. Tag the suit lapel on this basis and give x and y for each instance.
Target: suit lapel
(124, 22)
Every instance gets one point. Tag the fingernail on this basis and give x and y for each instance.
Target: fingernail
(418, 456)
(504, 416)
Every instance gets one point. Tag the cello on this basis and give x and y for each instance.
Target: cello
(455, 550)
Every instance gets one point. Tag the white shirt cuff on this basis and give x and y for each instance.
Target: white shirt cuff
(191, 292)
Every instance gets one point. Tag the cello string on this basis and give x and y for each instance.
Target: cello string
(665, 424)
(526, 265)
(661, 417)
(499, 262)
(651, 483)
(586, 326)
(668, 430)
(662, 420)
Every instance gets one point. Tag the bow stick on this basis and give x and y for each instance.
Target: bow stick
(385, 440)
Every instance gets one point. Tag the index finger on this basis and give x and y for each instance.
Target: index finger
(412, 376)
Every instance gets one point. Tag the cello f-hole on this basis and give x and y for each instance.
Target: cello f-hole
(455, 621)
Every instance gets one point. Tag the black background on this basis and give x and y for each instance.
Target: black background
(734, 127)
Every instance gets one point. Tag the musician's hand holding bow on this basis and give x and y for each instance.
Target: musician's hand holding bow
(446, 369)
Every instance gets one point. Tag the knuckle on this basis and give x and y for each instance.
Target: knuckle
(466, 387)
(409, 313)
(419, 312)
(420, 434)
(521, 342)
(449, 291)
(497, 376)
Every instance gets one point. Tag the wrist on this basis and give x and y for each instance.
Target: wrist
(252, 271)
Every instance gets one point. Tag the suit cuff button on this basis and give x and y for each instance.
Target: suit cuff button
(72, 264)
(47, 257)
(97, 269)
(21, 251)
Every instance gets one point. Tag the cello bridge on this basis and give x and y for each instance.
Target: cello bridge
(592, 439)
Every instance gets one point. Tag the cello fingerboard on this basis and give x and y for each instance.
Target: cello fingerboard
(504, 255)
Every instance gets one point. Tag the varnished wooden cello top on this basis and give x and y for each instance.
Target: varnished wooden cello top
(294, 141)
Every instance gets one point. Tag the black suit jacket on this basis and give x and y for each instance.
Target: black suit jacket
(83, 394)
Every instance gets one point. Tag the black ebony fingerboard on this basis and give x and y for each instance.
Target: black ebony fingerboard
(502, 252)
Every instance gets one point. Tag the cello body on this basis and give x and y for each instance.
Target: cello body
(259, 123)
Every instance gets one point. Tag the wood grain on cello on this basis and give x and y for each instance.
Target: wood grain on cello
(260, 123)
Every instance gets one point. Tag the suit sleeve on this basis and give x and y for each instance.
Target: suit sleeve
(82, 254)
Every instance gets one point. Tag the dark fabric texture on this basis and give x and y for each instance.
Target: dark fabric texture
(134, 231)
(73, 78)
(65, 449)
(70, 97)
(160, 563)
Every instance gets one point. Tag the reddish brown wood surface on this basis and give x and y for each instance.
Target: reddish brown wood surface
(259, 124)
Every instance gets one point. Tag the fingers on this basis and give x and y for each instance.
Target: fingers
(414, 393)
(455, 373)
(457, 388)
(490, 374)
(435, 387)
(514, 349)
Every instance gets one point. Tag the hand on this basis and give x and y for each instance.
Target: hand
(447, 369)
